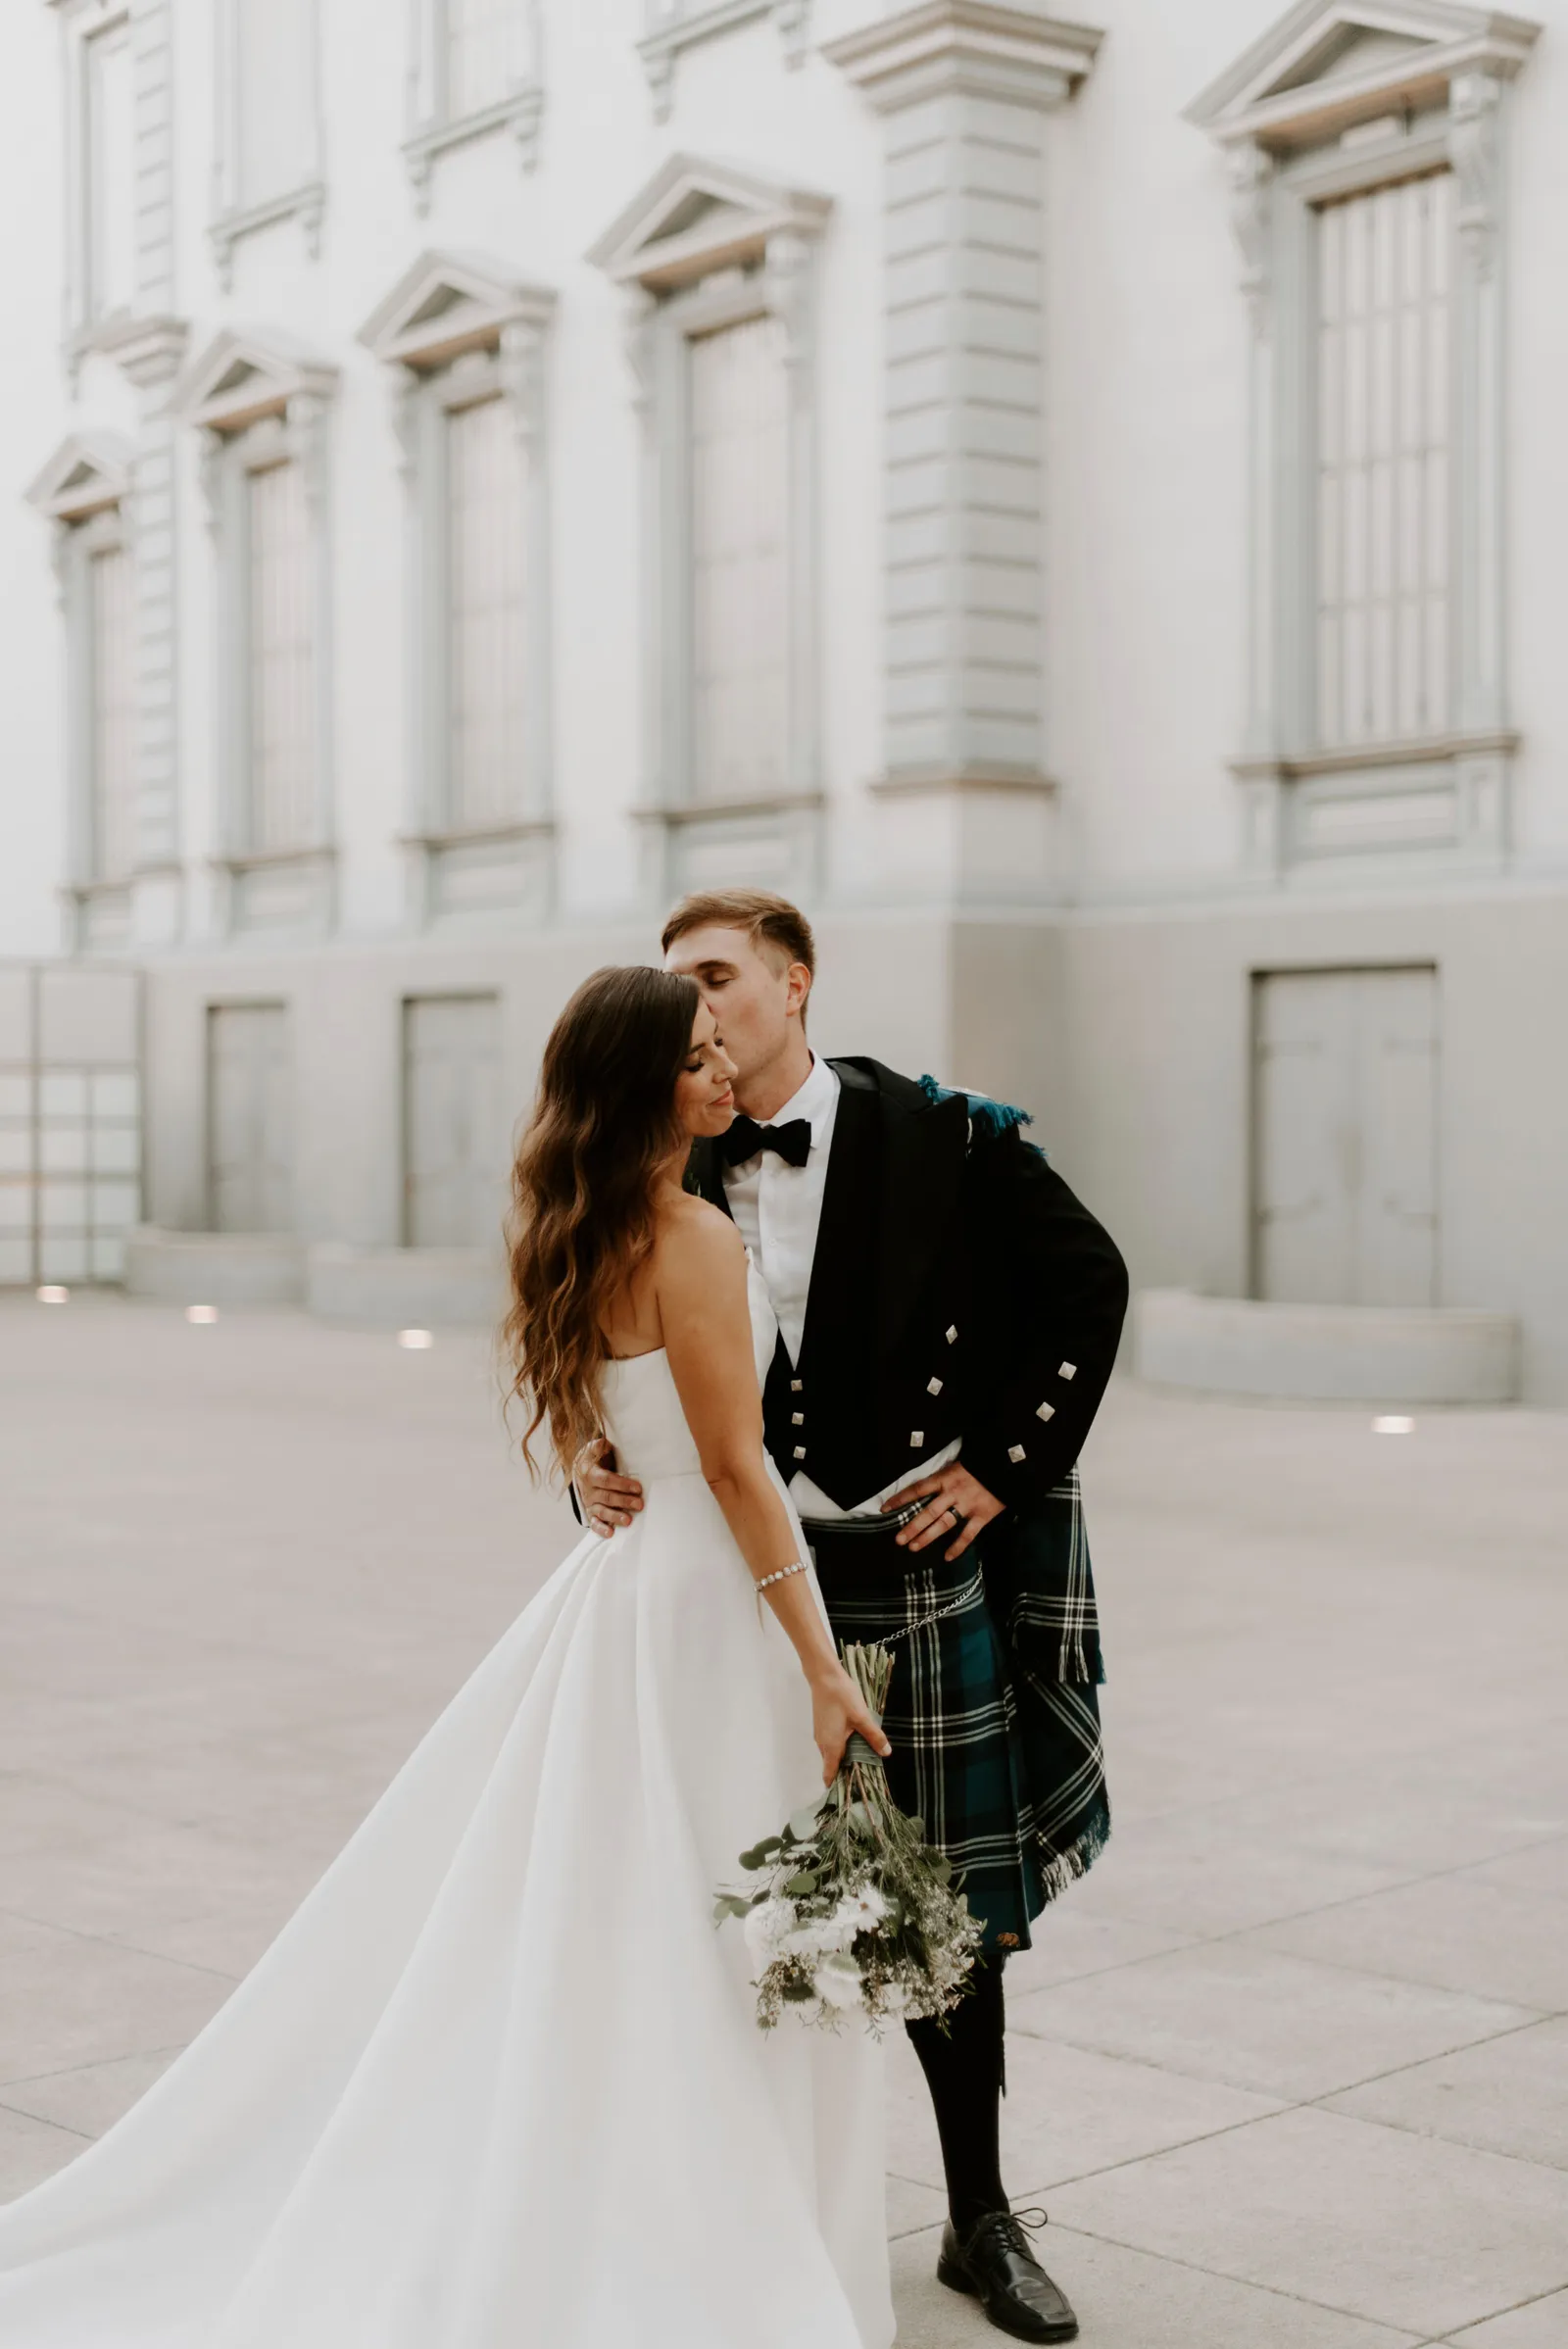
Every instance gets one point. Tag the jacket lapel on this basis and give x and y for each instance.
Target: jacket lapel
(924, 1146)
(841, 1294)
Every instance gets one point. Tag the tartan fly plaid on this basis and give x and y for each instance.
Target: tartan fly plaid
(994, 1747)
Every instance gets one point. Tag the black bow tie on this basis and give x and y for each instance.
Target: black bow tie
(745, 1138)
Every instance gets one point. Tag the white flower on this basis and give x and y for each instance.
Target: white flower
(837, 1981)
(815, 1938)
(894, 1999)
(765, 1927)
(863, 1908)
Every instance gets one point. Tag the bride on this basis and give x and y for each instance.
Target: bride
(498, 2083)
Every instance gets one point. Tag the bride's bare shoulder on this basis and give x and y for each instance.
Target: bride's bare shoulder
(692, 1240)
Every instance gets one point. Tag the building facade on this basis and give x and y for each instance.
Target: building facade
(1078, 504)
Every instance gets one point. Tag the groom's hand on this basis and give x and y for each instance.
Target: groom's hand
(609, 1500)
(951, 1495)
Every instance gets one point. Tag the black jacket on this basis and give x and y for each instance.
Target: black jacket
(957, 1288)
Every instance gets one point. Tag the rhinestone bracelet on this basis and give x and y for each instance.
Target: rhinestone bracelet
(782, 1575)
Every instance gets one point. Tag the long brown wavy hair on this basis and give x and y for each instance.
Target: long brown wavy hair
(582, 1189)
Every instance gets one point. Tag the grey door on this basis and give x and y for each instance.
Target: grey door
(1345, 1137)
(70, 1121)
(454, 1126)
(250, 1124)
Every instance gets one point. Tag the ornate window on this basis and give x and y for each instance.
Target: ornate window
(677, 25)
(474, 67)
(467, 339)
(739, 457)
(262, 410)
(267, 162)
(1366, 160)
(85, 489)
(100, 272)
(722, 270)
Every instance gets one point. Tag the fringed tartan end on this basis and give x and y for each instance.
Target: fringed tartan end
(1065, 1868)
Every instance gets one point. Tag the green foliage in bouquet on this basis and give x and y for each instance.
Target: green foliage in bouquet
(856, 1912)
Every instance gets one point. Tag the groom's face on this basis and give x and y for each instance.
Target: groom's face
(755, 997)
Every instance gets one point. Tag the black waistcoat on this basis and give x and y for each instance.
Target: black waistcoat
(824, 1414)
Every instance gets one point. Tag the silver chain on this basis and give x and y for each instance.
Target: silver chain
(936, 1616)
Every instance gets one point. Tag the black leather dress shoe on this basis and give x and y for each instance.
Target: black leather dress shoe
(992, 2260)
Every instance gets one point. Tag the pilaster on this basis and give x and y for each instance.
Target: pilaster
(963, 88)
(149, 348)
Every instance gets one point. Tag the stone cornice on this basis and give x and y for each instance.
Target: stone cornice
(245, 373)
(1284, 91)
(696, 216)
(89, 471)
(449, 302)
(147, 349)
(1012, 53)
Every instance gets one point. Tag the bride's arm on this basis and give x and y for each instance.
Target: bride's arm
(700, 1278)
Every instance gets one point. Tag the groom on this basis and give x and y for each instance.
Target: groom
(949, 1316)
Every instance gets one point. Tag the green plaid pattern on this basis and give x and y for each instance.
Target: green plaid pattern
(1000, 1759)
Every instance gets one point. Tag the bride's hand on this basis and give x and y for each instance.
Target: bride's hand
(837, 1709)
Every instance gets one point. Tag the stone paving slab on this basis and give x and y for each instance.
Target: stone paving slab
(1281, 2026)
(1541, 2324)
(1480, 1938)
(1289, 2063)
(1405, 2230)
(1509, 2095)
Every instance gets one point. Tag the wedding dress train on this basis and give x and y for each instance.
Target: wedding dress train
(498, 2084)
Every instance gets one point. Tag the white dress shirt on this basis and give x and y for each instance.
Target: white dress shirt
(778, 1212)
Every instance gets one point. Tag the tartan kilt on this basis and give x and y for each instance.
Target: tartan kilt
(1006, 1774)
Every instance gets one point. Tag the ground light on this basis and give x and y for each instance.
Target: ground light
(1394, 1423)
(50, 1295)
(201, 1315)
(415, 1342)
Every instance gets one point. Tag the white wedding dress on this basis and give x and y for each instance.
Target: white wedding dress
(499, 2082)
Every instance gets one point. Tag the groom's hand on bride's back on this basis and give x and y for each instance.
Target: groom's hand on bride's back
(608, 1500)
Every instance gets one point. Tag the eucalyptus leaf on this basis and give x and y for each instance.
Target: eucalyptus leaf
(760, 1853)
(804, 1825)
(807, 1882)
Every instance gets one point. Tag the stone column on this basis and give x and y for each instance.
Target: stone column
(963, 88)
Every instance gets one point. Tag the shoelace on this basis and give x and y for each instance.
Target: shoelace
(1016, 2227)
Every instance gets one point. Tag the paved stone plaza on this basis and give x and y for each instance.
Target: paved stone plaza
(1290, 2069)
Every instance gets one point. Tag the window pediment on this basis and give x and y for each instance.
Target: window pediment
(447, 303)
(89, 471)
(245, 374)
(1331, 64)
(696, 217)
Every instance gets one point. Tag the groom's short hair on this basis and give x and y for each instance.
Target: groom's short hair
(767, 921)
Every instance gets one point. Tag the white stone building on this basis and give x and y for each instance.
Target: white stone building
(1081, 504)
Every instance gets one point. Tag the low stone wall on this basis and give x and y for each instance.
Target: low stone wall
(405, 1288)
(1326, 1353)
(214, 1268)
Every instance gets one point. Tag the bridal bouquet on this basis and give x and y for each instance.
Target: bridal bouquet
(854, 1910)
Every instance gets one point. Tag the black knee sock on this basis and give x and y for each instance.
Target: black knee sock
(964, 2069)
